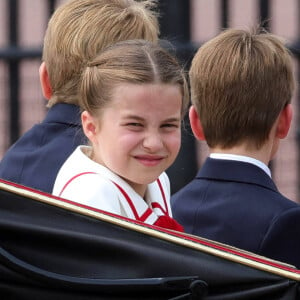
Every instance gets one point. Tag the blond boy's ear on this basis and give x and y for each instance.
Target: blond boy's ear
(44, 80)
(89, 126)
(284, 122)
(196, 124)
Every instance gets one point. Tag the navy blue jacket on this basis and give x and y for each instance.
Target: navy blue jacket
(36, 157)
(238, 204)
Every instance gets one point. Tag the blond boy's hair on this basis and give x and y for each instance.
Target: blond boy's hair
(240, 82)
(79, 29)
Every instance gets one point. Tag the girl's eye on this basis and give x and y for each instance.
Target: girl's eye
(134, 124)
(170, 125)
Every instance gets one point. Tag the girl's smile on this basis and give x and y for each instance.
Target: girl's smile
(149, 160)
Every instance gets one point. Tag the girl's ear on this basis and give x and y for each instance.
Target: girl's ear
(196, 124)
(89, 126)
(44, 80)
(284, 122)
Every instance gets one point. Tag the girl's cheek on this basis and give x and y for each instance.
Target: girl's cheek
(175, 141)
(130, 138)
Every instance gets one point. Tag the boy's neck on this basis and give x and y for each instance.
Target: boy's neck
(264, 154)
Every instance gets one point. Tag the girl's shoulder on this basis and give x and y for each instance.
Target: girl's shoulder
(93, 190)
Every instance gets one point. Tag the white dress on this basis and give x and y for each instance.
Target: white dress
(84, 181)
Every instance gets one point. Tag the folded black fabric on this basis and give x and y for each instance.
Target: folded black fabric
(53, 249)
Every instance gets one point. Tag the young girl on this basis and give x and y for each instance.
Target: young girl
(133, 95)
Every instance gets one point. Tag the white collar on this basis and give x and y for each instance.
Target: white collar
(242, 158)
(153, 192)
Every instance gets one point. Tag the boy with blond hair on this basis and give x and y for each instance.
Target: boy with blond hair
(241, 86)
(76, 32)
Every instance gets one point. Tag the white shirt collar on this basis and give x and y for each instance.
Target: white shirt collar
(242, 158)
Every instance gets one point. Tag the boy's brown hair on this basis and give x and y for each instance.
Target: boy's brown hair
(133, 62)
(79, 29)
(240, 82)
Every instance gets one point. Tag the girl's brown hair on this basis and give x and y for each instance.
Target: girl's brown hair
(133, 61)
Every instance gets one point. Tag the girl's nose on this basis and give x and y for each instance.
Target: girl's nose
(153, 142)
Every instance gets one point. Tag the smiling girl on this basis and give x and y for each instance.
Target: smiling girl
(134, 96)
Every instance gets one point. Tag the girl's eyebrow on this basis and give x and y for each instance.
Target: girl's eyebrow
(172, 120)
(134, 117)
(138, 118)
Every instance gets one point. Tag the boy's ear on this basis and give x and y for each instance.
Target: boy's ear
(45, 83)
(196, 124)
(284, 122)
(89, 125)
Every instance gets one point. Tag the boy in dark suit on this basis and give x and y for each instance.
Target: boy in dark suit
(241, 85)
(76, 32)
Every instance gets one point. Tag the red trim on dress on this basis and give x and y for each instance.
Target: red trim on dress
(71, 179)
(128, 201)
(141, 218)
(164, 198)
